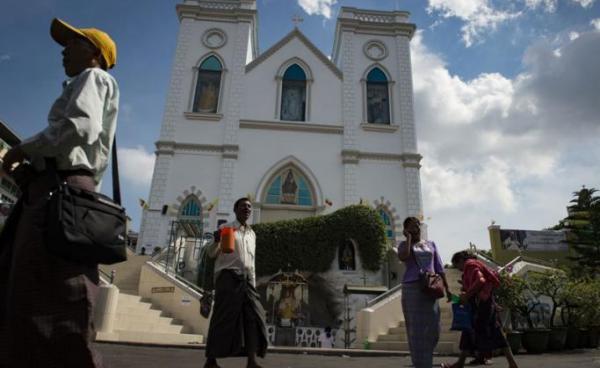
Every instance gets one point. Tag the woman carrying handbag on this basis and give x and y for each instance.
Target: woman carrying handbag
(423, 284)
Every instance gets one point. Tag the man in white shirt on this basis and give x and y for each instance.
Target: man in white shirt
(237, 325)
(46, 302)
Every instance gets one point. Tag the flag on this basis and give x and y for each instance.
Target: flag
(143, 204)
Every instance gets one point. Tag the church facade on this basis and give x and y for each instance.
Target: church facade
(298, 132)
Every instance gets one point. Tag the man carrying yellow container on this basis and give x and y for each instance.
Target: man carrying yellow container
(47, 302)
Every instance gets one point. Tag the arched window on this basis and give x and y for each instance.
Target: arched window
(191, 209)
(389, 225)
(293, 94)
(206, 99)
(378, 99)
(289, 187)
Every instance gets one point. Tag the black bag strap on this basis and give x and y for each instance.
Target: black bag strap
(115, 173)
(51, 167)
(416, 259)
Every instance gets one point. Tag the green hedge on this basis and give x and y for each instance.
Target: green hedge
(310, 244)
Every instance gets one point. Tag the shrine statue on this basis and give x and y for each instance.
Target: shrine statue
(289, 189)
(346, 257)
(288, 306)
(208, 98)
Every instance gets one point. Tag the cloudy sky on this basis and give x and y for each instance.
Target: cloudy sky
(507, 95)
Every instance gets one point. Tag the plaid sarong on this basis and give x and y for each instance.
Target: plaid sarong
(422, 319)
(47, 302)
(237, 325)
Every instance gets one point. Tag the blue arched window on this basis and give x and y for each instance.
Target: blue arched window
(191, 208)
(389, 224)
(289, 187)
(293, 94)
(206, 99)
(378, 99)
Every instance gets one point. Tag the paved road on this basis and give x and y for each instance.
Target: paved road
(127, 356)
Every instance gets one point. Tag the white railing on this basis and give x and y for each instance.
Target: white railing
(381, 314)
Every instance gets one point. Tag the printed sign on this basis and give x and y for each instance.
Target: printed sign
(163, 289)
(186, 301)
(526, 240)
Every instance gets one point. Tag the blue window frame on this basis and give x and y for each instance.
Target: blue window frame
(206, 99)
(378, 99)
(191, 208)
(289, 187)
(293, 94)
(387, 221)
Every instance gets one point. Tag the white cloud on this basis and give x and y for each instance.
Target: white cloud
(573, 36)
(136, 166)
(585, 3)
(4, 57)
(595, 23)
(479, 16)
(317, 7)
(548, 5)
(508, 149)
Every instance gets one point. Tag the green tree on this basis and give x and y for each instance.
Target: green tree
(583, 224)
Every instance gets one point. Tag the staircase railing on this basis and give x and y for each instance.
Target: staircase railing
(384, 296)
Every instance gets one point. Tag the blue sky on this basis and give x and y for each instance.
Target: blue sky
(506, 94)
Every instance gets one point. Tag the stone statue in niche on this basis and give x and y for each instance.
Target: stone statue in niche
(288, 308)
(347, 259)
(288, 189)
(292, 105)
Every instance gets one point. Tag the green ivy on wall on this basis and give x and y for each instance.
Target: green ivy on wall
(310, 244)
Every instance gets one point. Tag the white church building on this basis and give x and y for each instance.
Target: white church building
(300, 132)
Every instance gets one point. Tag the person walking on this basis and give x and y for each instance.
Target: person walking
(486, 335)
(421, 311)
(237, 325)
(46, 302)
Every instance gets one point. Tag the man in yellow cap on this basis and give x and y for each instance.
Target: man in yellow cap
(46, 302)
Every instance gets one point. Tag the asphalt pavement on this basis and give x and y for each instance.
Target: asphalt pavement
(135, 356)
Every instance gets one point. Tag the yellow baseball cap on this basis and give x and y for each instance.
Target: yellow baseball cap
(62, 32)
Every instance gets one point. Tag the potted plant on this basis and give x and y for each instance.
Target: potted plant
(588, 292)
(509, 297)
(573, 313)
(535, 336)
(594, 314)
(553, 285)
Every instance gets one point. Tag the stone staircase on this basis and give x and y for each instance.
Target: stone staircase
(395, 339)
(139, 321)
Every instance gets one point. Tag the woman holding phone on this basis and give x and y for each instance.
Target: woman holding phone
(421, 311)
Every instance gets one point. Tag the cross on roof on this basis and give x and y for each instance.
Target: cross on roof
(296, 19)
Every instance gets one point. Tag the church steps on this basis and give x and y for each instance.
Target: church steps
(138, 320)
(443, 347)
(151, 337)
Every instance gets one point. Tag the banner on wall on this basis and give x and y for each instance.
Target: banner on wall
(526, 240)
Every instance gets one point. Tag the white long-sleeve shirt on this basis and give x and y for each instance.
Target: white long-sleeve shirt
(242, 258)
(81, 125)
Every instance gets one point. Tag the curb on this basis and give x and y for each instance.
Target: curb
(275, 349)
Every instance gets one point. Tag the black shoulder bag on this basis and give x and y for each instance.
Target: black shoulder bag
(86, 227)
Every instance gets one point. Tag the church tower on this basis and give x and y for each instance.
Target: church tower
(372, 50)
(216, 40)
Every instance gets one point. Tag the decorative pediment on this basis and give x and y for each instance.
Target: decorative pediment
(295, 33)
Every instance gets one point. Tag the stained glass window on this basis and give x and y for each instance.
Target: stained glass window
(190, 208)
(378, 101)
(208, 86)
(289, 187)
(387, 221)
(293, 94)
